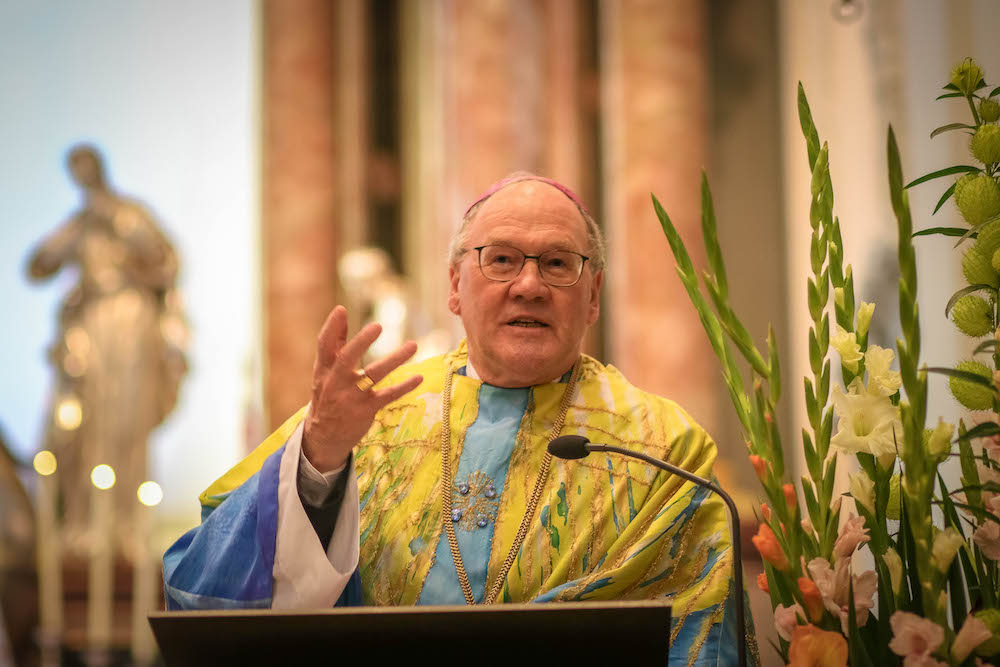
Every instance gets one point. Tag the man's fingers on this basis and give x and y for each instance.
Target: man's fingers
(386, 396)
(352, 351)
(332, 336)
(382, 367)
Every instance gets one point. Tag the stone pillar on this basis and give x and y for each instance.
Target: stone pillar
(299, 236)
(654, 77)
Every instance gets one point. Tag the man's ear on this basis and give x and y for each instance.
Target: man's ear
(454, 303)
(595, 298)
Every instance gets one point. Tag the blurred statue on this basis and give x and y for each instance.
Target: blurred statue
(376, 293)
(119, 357)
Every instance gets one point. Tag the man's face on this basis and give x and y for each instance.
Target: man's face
(524, 331)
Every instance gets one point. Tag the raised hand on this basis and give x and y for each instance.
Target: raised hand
(342, 411)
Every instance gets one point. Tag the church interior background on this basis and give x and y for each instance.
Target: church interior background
(276, 141)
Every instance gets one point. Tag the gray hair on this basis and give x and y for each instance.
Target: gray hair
(595, 237)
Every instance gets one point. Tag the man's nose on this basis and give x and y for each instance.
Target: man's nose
(529, 283)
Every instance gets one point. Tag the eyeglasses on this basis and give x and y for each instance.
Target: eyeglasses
(558, 268)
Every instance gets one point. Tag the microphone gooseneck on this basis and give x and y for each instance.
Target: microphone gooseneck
(577, 447)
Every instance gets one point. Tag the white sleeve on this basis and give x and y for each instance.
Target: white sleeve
(304, 576)
(314, 486)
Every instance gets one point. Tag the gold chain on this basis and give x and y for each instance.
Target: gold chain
(529, 512)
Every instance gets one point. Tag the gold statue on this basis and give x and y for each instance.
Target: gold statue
(119, 358)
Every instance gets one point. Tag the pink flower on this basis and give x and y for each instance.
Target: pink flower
(973, 633)
(786, 619)
(914, 637)
(987, 536)
(922, 661)
(834, 587)
(852, 534)
(990, 443)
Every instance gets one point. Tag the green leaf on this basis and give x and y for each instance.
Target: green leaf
(963, 292)
(808, 127)
(983, 430)
(951, 126)
(943, 231)
(974, 231)
(774, 366)
(858, 653)
(950, 86)
(994, 91)
(986, 346)
(710, 234)
(941, 97)
(945, 197)
(978, 512)
(974, 378)
(959, 169)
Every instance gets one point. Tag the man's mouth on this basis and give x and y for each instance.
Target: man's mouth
(527, 323)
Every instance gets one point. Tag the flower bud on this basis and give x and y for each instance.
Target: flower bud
(863, 490)
(973, 315)
(966, 76)
(767, 544)
(978, 199)
(972, 396)
(812, 598)
(846, 344)
(895, 566)
(939, 442)
(946, 545)
(989, 110)
(985, 144)
(762, 582)
(790, 498)
(863, 319)
(991, 617)
(759, 467)
(765, 511)
(806, 525)
(894, 510)
(838, 296)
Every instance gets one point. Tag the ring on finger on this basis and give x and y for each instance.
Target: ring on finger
(364, 382)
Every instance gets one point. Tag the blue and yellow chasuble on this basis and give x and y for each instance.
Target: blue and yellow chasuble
(606, 528)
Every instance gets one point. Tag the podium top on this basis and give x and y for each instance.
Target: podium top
(519, 634)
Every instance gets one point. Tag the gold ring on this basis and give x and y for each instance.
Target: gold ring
(364, 382)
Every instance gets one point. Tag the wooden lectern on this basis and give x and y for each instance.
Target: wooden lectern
(583, 633)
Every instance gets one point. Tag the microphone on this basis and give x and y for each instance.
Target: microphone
(577, 447)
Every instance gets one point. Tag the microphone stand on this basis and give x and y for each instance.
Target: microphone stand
(735, 519)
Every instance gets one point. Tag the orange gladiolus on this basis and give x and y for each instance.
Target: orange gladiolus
(812, 598)
(812, 647)
(765, 511)
(767, 544)
(790, 498)
(762, 582)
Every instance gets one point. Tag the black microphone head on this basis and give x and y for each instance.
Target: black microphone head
(569, 447)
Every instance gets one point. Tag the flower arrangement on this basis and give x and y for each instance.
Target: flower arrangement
(931, 597)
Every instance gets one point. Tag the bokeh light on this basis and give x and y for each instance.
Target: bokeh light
(103, 476)
(150, 494)
(45, 462)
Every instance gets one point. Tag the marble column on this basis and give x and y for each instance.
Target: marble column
(300, 208)
(654, 78)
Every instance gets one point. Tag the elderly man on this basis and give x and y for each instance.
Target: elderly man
(431, 483)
